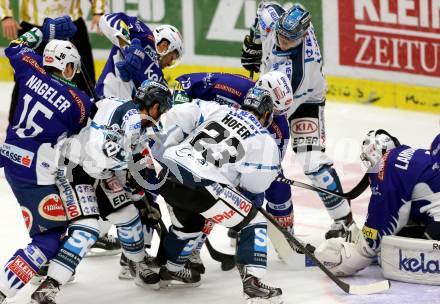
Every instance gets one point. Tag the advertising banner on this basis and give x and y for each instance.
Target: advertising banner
(399, 35)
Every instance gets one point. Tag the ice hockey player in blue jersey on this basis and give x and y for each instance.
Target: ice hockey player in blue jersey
(138, 54)
(50, 108)
(405, 188)
(284, 40)
(230, 89)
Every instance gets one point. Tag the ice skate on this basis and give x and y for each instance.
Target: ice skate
(143, 275)
(46, 293)
(256, 292)
(195, 262)
(183, 278)
(106, 245)
(124, 273)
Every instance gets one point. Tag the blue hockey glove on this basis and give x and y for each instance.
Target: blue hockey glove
(134, 56)
(60, 28)
(123, 71)
(257, 199)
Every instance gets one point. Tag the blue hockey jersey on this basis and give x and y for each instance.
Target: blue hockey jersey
(405, 187)
(49, 109)
(228, 89)
(127, 28)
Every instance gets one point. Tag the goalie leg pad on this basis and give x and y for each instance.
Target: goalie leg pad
(252, 247)
(411, 260)
(82, 235)
(130, 232)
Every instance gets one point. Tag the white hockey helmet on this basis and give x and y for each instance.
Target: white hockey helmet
(58, 53)
(173, 36)
(374, 146)
(278, 84)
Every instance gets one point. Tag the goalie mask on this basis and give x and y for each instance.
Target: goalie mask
(374, 146)
(280, 89)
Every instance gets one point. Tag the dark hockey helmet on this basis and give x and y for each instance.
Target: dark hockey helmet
(294, 23)
(259, 101)
(152, 92)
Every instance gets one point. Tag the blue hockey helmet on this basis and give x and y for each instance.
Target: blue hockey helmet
(152, 92)
(259, 101)
(293, 24)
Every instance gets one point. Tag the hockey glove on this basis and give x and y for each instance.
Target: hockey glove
(251, 55)
(132, 64)
(124, 74)
(60, 28)
(257, 199)
(32, 38)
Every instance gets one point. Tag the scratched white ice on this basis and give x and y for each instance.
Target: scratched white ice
(96, 280)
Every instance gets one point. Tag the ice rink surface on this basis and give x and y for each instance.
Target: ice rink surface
(96, 281)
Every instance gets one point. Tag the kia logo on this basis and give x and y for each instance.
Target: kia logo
(304, 126)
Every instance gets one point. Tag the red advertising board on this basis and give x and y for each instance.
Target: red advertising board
(392, 35)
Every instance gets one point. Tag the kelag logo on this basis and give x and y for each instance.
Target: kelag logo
(417, 265)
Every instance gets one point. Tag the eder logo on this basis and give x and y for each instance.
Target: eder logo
(418, 265)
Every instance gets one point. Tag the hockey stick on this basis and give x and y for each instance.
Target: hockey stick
(348, 288)
(227, 260)
(352, 194)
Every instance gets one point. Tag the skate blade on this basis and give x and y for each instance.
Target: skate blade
(274, 300)
(155, 286)
(174, 284)
(98, 252)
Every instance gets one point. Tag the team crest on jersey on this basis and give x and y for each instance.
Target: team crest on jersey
(28, 218)
(52, 208)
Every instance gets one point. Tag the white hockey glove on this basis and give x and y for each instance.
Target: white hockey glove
(343, 258)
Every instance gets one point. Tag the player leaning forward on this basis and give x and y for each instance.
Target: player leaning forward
(285, 41)
(101, 152)
(50, 108)
(405, 186)
(212, 155)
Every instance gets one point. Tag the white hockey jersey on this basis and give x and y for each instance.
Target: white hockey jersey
(116, 128)
(218, 143)
(303, 65)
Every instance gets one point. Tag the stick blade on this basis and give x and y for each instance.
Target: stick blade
(369, 288)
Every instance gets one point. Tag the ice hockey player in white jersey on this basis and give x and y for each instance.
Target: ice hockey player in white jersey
(211, 155)
(100, 154)
(285, 41)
